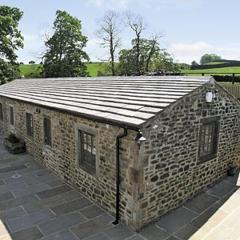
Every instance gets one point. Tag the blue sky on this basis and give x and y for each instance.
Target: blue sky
(190, 28)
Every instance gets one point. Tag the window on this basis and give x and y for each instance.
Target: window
(87, 151)
(208, 139)
(11, 116)
(1, 111)
(47, 131)
(29, 124)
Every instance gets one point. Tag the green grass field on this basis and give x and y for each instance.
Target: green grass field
(34, 70)
(214, 63)
(30, 70)
(226, 70)
(94, 68)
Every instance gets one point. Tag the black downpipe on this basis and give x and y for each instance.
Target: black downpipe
(118, 175)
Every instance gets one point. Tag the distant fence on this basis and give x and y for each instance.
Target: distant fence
(234, 89)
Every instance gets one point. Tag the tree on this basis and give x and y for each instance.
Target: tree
(208, 58)
(137, 25)
(150, 49)
(184, 66)
(10, 41)
(31, 62)
(65, 56)
(194, 64)
(151, 59)
(127, 63)
(164, 63)
(109, 34)
(145, 50)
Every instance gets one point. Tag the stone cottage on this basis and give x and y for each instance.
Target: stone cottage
(137, 146)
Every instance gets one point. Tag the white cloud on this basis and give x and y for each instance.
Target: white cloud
(187, 52)
(34, 44)
(111, 3)
(166, 4)
(33, 47)
(95, 51)
(229, 52)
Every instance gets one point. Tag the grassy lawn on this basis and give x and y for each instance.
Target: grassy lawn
(213, 63)
(226, 70)
(34, 70)
(30, 70)
(94, 68)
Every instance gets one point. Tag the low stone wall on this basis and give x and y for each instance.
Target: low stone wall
(172, 171)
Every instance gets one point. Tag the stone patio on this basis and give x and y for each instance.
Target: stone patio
(35, 204)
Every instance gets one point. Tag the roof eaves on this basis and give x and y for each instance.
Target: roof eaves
(116, 123)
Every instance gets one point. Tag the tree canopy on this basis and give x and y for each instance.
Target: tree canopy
(208, 58)
(163, 63)
(151, 58)
(65, 56)
(142, 49)
(10, 41)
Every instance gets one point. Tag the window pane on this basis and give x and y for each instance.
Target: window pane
(87, 154)
(29, 124)
(47, 132)
(85, 140)
(211, 138)
(89, 143)
(208, 139)
(94, 146)
(11, 116)
(1, 111)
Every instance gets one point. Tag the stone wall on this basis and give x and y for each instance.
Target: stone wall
(61, 158)
(172, 172)
(158, 175)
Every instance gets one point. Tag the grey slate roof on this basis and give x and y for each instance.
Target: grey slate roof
(130, 101)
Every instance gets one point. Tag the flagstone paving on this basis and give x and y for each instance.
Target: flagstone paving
(36, 205)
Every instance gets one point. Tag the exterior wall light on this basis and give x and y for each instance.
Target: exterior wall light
(209, 97)
(140, 138)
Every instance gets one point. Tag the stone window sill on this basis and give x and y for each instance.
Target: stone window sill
(207, 158)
